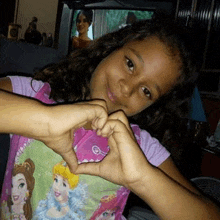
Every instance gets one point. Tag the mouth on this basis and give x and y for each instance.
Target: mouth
(15, 198)
(80, 28)
(57, 194)
(111, 96)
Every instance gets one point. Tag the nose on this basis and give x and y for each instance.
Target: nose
(127, 87)
(56, 185)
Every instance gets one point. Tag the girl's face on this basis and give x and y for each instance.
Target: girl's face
(19, 189)
(82, 24)
(61, 188)
(135, 76)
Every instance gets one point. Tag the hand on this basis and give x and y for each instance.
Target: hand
(64, 119)
(124, 163)
(53, 125)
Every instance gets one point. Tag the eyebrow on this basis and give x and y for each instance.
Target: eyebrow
(65, 180)
(137, 55)
(158, 89)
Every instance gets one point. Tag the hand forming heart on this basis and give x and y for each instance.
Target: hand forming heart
(64, 119)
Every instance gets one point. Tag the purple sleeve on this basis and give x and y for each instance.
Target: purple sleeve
(153, 150)
(22, 85)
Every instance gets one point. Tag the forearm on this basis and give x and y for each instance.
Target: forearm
(170, 200)
(23, 116)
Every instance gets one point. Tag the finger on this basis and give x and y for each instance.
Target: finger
(107, 130)
(88, 168)
(114, 128)
(90, 112)
(120, 115)
(123, 143)
(100, 117)
(99, 102)
(71, 159)
(95, 124)
(118, 134)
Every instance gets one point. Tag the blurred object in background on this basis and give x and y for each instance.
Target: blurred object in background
(13, 31)
(131, 18)
(32, 35)
(44, 39)
(49, 40)
(217, 132)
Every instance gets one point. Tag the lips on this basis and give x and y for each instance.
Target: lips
(57, 194)
(111, 96)
(15, 198)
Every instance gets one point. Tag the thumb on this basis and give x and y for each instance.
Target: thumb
(88, 168)
(71, 160)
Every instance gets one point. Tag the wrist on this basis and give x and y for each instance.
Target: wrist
(144, 183)
(38, 118)
(42, 120)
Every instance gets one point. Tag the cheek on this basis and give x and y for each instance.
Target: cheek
(65, 193)
(20, 191)
(87, 25)
(54, 186)
(13, 190)
(23, 192)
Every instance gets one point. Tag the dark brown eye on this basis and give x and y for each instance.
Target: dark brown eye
(146, 92)
(130, 64)
(21, 185)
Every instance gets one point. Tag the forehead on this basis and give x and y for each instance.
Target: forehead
(19, 177)
(152, 44)
(60, 177)
(81, 16)
(154, 47)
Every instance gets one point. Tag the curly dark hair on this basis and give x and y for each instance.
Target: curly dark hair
(70, 78)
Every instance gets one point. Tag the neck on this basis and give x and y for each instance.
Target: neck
(18, 209)
(83, 36)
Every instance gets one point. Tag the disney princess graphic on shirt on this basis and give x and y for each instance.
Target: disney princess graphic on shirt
(18, 205)
(66, 197)
(107, 209)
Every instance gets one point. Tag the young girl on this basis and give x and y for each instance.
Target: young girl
(142, 69)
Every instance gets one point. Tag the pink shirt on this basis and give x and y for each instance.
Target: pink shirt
(94, 197)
